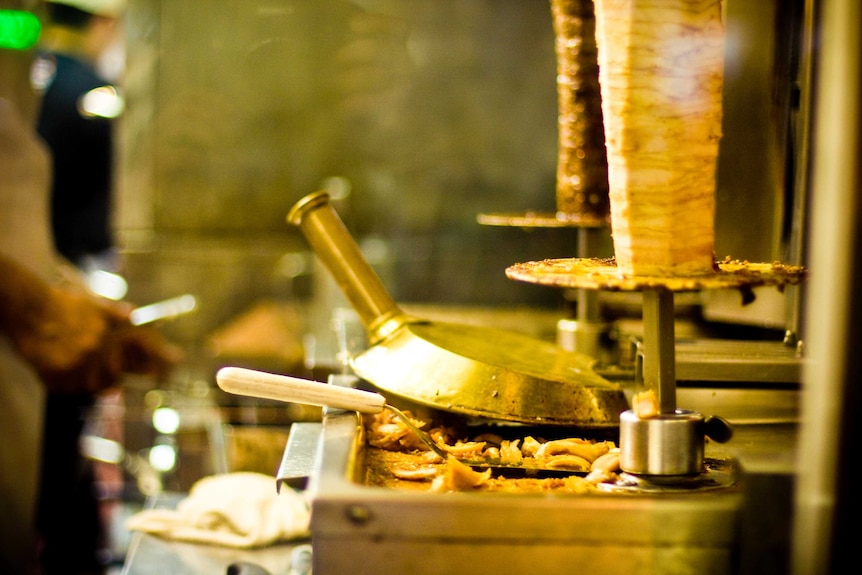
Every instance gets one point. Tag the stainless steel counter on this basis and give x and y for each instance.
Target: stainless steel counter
(737, 531)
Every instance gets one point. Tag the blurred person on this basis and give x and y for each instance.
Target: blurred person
(55, 336)
(73, 345)
(78, 129)
(76, 117)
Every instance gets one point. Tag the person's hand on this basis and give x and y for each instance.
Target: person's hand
(79, 343)
(87, 344)
(145, 351)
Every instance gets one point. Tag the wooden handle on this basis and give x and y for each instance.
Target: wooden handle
(241, 381)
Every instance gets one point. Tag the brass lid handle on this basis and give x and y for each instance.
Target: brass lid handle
(336, 248)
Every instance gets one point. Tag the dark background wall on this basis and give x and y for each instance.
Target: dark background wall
(429, 113)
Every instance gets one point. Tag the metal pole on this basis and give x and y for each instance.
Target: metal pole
(658, 347)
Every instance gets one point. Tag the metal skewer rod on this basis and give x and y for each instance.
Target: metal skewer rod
(588, 299)
(658, 342)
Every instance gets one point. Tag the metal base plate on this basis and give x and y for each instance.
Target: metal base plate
(543, 220)
(717, 474)
(602, 273)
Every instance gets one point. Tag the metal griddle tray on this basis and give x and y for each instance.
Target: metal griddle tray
(358, 528)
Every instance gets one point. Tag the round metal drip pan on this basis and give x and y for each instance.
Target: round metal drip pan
(717, 474)
(543, 220)
(602, 273)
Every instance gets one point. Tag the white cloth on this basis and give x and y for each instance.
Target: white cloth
(242, 510)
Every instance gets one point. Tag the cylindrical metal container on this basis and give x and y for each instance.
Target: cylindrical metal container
(668, 444)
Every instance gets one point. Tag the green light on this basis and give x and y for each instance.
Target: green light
(18, 30)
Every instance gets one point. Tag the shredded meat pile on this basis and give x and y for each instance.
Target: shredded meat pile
(397, 457)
